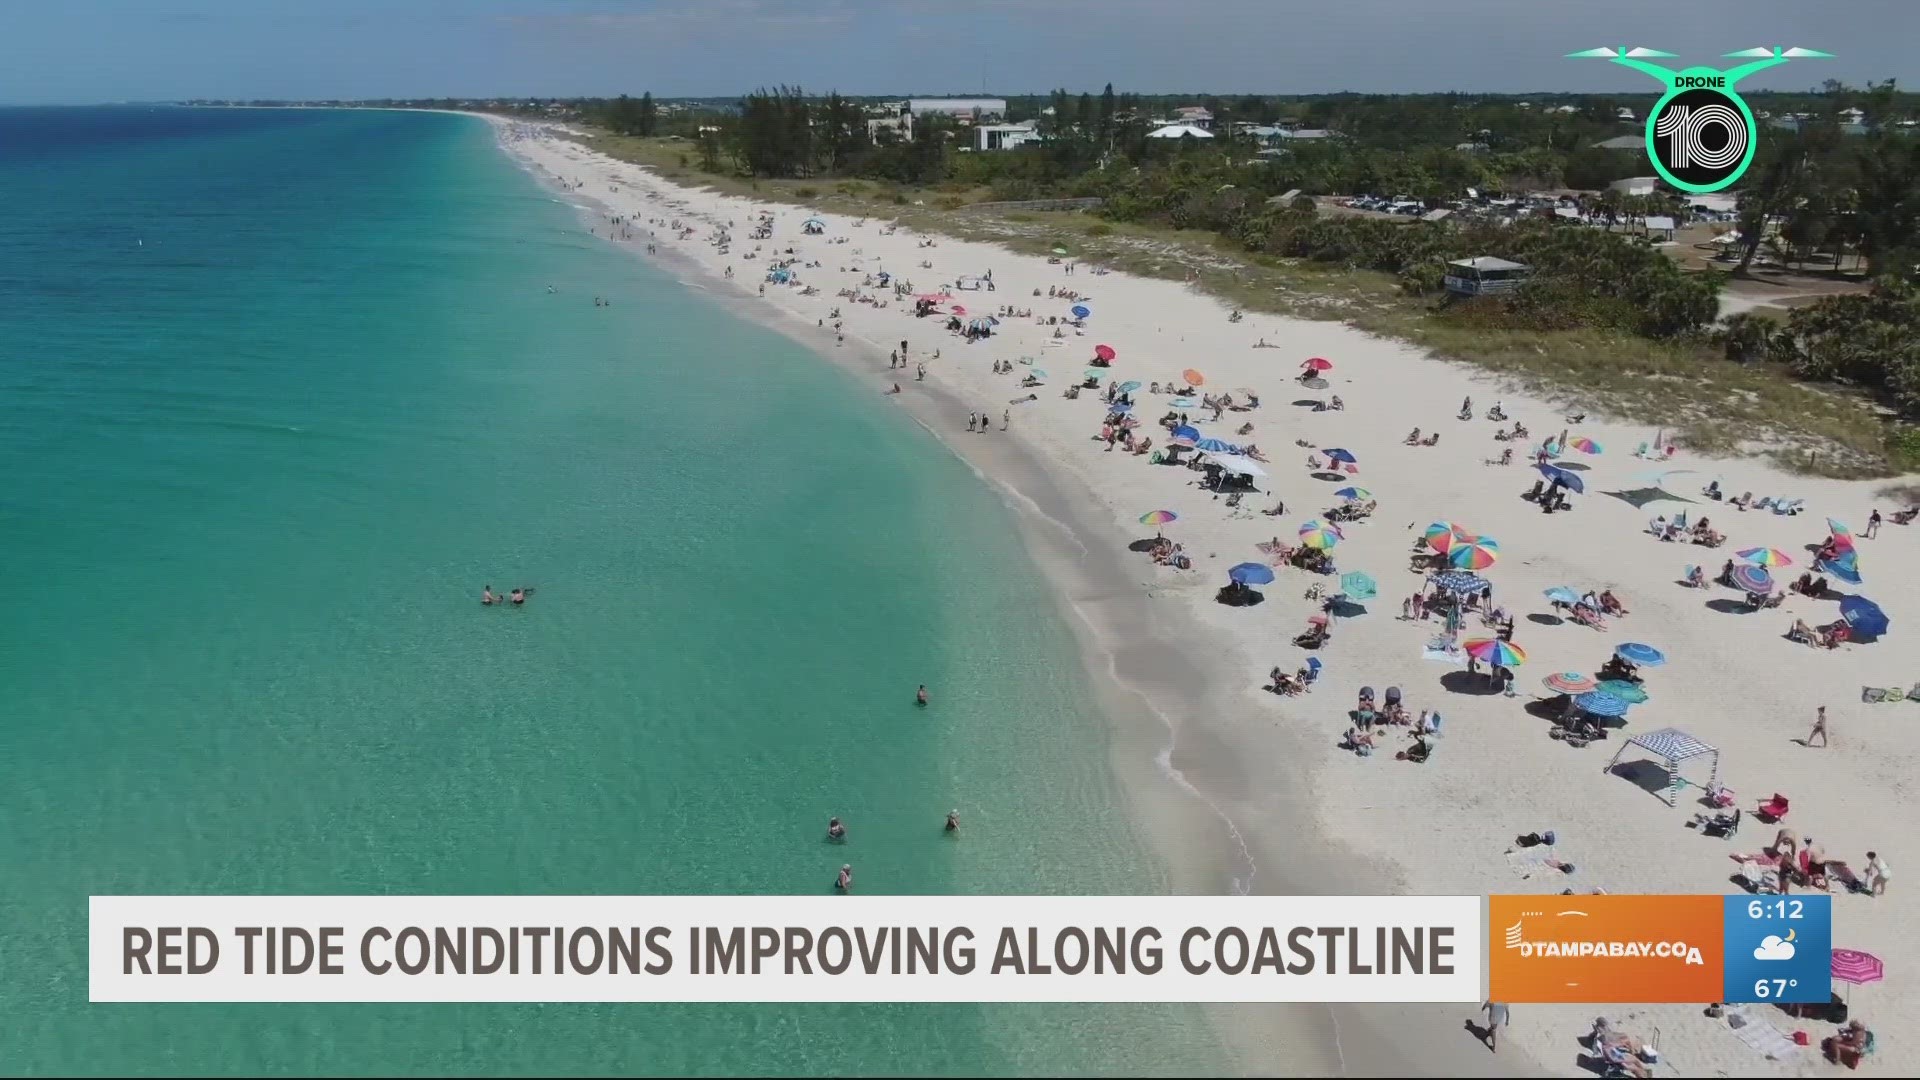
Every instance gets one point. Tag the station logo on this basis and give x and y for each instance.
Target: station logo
(1602, 948)
(1701, 135)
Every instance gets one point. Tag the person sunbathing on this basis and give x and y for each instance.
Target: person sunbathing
(1336, 404)
(1744, 500)
(1413, 437)
(1505, 458)
(1360, 742)
(1611, 604)
(1283, 683)
(1905, 517)
(1696, 578)
(1802, 632)
(1431, 440)
(1834, 636)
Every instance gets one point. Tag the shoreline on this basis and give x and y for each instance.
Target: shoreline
(1177, 674)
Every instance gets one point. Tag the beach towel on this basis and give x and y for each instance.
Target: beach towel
(1530, 861)
(1440, 653)
(1765, 1039)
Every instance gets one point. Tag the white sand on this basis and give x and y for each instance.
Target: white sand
(1443, 827)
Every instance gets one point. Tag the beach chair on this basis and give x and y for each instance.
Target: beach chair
(1725, 826)
(1773, 809)
(1788, 507)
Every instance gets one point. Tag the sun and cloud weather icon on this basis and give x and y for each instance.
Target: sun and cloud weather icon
(1775, 947)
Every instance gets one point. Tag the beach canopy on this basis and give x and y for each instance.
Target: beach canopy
(1358, 586)
(1600, 703)
(1319, 534)
(1473, 553)
(1464, 582)
(1495, 651)
(1753, 579)
(1563, 477)
(1317, 363)
(1856, 967)
(1569, 682)
(1236, 464)
(1765, 556)
(1081, 311)
(1864, 616)
(1159, 517)
(1104, 352)
(1193, 377)
(1644, 655)
(813, 221)
(1337, 454)
(1673, 746)
(1252, 573)
(1624, 690)
(1353, 494)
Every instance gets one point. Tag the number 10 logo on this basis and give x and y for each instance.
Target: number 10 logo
(1700, 139)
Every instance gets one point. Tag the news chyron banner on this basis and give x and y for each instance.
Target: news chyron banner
(849, 948)
(1631, 949)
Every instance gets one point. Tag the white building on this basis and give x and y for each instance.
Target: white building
(965, 108)
(1179, 131)
(1636, 185)
(1624, 115)
(1197, 115)
(1004, 136)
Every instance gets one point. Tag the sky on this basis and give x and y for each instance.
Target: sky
(92, 51)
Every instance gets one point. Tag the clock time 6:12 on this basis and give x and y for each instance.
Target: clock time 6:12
(1776, 909)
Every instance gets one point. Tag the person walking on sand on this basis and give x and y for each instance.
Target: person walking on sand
(1819, 728)
(1006, 418)
(1873, 524)
(972, 418)
(1874, 878)
(1497, 1018)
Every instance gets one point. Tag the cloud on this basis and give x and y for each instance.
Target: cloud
(1773, 947)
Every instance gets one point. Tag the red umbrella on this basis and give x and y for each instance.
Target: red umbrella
(958, 310)
(1318, 363)
(1104, 352)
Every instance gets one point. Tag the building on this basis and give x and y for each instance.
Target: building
(962, 108)
(898, 127)
(1197, 115)
(1004, 136)
(1624, 115)
(1622, 142)
(1660, 227)
(1179, 131)
(1636, 185)
(1484, 275)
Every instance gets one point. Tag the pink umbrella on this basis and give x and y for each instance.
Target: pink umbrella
(1104, 352)
(1317, 363)
(1854, 966)
(958, 310)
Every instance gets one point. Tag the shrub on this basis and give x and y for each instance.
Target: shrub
(1099, 228)
(805, 192)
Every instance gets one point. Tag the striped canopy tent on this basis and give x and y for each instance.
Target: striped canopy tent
(1672, 746)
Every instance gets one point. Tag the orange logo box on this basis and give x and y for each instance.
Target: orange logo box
(1604, 949)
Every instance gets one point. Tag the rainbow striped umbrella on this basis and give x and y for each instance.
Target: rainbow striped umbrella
(1842, 536)
(1585, 446)
(1768, 557)
(1473, 553)
(1319, 534)
(1569, 682)
(1494, 651)
(1158, 518)
(1442, 534)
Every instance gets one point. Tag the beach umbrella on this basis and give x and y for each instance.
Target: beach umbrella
(1765, 556)
(1059, 251)
(813, 221)
(1081, 311)
(1123, 408)
(1216, 446)
(1317, 363)
(1193, 377)
(1460, 581)
(1353, 494)
(1561, 594)
(1337, 454)
(1038, 373)
(1865, 616)
(1095, 373)
(1845, 566)
(1644, 655)
(1186, 434)
(1183, 400)
(1358, 586)
(1601, 704)
(1586, 446)
(1569, 682)
(1319, 534)
(1840, 532)
(1856, 967)
(1751, 578)
(1473, 553)
(1565, 478)
(1130, 386)
(1159, 519)
(1104, 352)
(1494, 651)
(1441, 534)
(1624, 690)
(1252, 573)
(958, 310)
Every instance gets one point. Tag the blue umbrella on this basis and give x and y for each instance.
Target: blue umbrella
(1565, 478)
(1130, 386)
(1351, 493)
(1460, 581)
(1358, 586)
(1601, 703)
(1337, 454)
(1252, 573)
(1081, 311)
(1184, 402)
(1561, 594)
(1865, 616)
(1216, 446)
(1644, 655)
(1187, 431)
(1846, 567)
(1123, 408)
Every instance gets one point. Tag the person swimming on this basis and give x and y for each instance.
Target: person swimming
(835, 830)
(920, 696)
(845, 881)
(518, 596)
(487, 596)
(953, 821)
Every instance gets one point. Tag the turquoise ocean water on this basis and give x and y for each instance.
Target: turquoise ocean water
(279, 392)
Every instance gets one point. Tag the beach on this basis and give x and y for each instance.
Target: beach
(1242, 789)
